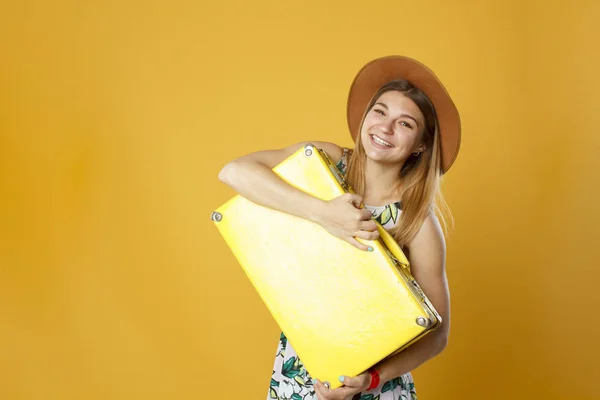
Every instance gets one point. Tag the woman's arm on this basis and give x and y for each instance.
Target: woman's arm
(427, 258)
(252, 176)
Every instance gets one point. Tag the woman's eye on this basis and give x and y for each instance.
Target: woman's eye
(379, 111)
(406, 124)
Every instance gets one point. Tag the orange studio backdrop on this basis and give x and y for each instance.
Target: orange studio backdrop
(115, 118)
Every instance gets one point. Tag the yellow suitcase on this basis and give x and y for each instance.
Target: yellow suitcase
(342, 309)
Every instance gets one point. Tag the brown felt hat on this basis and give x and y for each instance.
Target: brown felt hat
(378, 72)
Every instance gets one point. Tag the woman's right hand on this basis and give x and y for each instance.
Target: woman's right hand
(343, 218)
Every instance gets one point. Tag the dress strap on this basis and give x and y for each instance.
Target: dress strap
(343, 163)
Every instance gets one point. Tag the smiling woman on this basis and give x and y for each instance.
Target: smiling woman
(407, 134)
(399, 131)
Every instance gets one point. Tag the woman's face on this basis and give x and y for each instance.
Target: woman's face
(392, 129)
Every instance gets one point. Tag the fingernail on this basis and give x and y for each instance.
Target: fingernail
(370, 249)
(341, 378)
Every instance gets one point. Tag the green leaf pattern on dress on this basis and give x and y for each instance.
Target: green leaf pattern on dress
(291, 381)
(386, 215)
(369, 397)
(390, 385)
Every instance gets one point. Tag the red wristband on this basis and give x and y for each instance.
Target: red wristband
(374, 379)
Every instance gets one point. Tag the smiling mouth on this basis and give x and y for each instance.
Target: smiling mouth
(380, 141)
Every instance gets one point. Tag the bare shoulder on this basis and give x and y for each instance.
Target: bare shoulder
(429, 245)
(334, 151)
(430, 232)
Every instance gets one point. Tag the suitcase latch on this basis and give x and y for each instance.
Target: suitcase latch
(395, 260)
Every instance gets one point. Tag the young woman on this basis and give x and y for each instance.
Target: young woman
(407, 134)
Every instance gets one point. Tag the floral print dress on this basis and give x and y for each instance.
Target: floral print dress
(290, 379)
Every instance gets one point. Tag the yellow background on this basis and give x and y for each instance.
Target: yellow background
(116, 116)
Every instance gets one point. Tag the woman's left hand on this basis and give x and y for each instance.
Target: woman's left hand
(352, 386)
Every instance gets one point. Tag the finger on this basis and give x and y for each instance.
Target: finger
(358, 245)
(339, 393)
(352, 381)
(318, 388)
(319, 394)
(369, 225)
(343, 392)
(366, 215)
(321, 390)
(367, 235)
(354, 199)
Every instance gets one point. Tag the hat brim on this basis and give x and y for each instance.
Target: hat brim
(378, 72)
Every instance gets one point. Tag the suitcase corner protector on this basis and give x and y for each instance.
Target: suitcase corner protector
(309, 149)
(216, 216)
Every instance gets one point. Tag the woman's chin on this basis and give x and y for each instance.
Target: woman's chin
(383, 156)
(378, 156)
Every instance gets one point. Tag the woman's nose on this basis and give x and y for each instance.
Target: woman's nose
(386, 127)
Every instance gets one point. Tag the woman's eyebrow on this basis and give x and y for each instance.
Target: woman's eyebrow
(402, 115)
(408, 116)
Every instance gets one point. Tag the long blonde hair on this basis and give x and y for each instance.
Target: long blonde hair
(420, 177)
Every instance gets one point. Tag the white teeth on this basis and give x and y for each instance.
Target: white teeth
(380, 141)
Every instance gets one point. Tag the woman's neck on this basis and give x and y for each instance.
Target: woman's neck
(381, 183)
